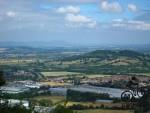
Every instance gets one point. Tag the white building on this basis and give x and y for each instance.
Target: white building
(13, 89)
(13, 102)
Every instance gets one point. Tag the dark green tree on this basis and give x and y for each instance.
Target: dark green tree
(62, 109)
(2, 80)
(15, 109)
(144, 102)
(45, 102)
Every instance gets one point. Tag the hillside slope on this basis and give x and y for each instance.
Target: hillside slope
(109, 62)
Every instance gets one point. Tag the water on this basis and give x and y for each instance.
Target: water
(113, 92)
(104, 100)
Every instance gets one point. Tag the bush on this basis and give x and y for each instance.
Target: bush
(62, 109)
(15, 109)
(85, 96)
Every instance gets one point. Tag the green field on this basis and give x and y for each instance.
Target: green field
(96, 75)
(59, 73)
(144, 74)
(65, 73)
(15, 61)
(103, 111)
(53, 99)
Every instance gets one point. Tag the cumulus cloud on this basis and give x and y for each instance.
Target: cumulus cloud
(92, 24)
(11, 14)
(80, 20)
(68, 9)
(111, 7)
(77, 18)
(133, 25)
(132, 7)
(74, 18)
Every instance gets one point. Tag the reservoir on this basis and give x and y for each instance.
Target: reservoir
(113, 92)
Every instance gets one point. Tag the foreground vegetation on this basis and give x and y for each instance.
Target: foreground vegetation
(15, 109)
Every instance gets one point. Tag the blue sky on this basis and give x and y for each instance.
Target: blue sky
(76, 21)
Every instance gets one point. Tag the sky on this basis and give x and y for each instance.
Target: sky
(76, 21)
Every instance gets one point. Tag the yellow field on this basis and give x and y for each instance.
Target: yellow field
(54, 83)
(103, 111)
(14, 61)
(94, 104)
(65, 73)
(97, 75)
(58, 73)
(54, 99)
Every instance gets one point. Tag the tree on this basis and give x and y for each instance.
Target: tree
(62, 109)
(45, 102)
(15, 109)
(144, 102)
(2, 80)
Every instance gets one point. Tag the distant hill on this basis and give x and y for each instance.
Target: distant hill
(110, 62)
(106, 54)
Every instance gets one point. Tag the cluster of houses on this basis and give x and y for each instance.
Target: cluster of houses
(19, 87)
(14, 102)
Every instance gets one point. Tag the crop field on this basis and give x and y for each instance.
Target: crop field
(94, 104)
(96, 75)
(14, 61)
(144, 74)
(58, 73)
(103, 111)
(54, 99)
(54, 83)
(65, 73)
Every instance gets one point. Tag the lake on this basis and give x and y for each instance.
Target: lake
(113, 92)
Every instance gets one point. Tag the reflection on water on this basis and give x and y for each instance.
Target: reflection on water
(113, 92)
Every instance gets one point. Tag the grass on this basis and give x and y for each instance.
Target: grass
(58, 73)
(103, 111)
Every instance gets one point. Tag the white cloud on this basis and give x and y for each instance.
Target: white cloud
(132, 25)
(92, 24)
(111, 7)
(74, 18)
(68, 9)
(77, 18)
(10, 14)
(118, 20)
(132, 7)
(80, 20)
